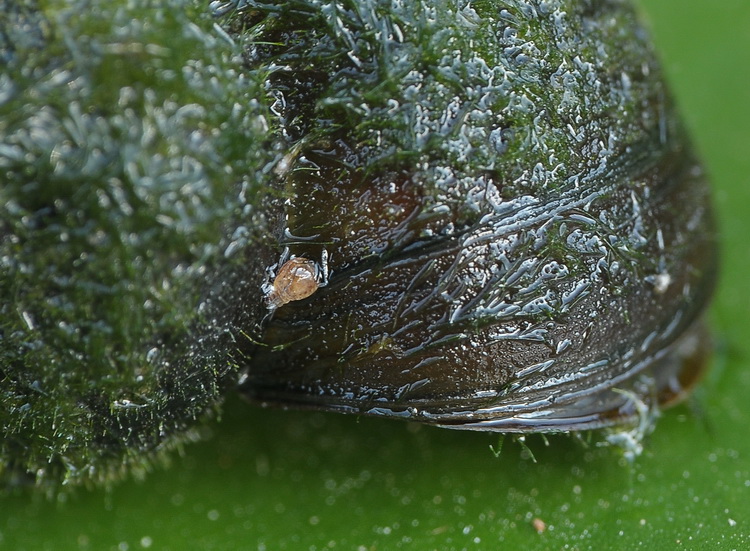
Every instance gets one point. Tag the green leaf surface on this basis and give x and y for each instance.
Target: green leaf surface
(267, 479)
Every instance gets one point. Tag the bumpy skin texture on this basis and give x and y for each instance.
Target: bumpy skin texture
(501, 189)
(510, 212)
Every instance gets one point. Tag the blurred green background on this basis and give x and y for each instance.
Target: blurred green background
(271, 480)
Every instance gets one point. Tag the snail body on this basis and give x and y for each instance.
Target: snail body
(485, 217)
(297, 279)
(528, 266)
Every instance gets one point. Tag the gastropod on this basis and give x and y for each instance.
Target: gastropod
(297, 278)
(523, 261)
(484, 216)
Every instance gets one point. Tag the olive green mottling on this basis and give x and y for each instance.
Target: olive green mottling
(126, 137)
(448, 86)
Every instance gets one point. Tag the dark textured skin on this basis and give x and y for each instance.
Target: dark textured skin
(379, 338)
(512, 298)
